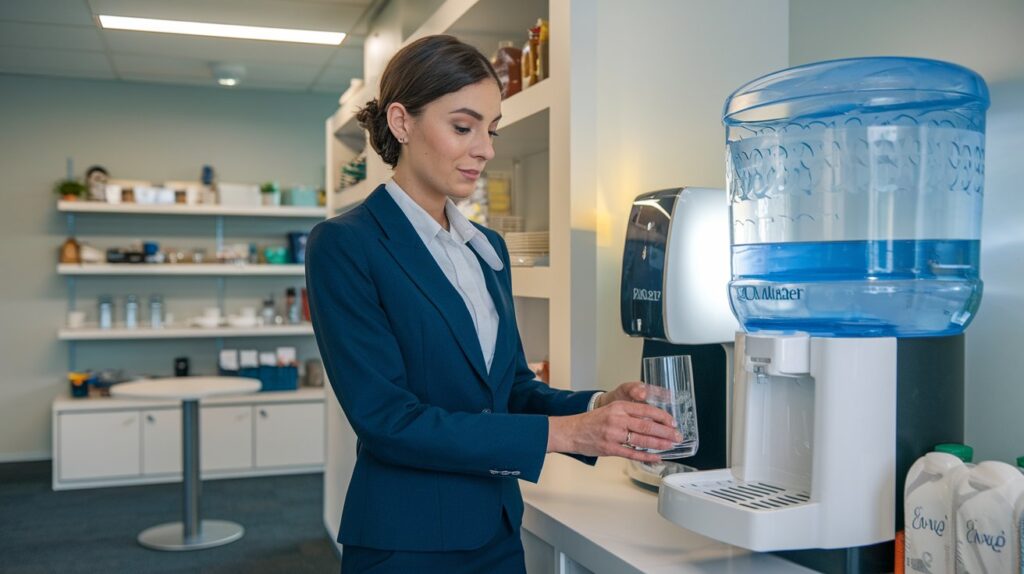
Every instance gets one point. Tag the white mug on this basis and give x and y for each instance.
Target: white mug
(247, 312)
(76, 319)
(212, 312)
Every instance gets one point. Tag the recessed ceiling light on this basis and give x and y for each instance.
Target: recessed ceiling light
(227, 74)
(220, 30)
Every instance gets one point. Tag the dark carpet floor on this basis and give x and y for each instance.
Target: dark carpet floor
(93, 531)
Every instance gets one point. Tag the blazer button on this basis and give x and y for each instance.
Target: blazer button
(486, 411)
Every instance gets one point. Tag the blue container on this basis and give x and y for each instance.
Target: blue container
(271, 378)
(855, 189)
(297, 245)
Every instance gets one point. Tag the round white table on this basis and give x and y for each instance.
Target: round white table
(192, 533)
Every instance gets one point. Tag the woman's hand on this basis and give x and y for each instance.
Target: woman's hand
(634, 391)
(613, 430)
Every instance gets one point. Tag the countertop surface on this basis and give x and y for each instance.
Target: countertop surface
(604, 521)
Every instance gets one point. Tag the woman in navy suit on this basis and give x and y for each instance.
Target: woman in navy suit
(413, 312)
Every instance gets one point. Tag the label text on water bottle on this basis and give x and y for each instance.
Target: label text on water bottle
(996, 542)
(922, 522)
(751, 293)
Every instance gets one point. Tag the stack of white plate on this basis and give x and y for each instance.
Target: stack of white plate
(526, 247)
(505, 223)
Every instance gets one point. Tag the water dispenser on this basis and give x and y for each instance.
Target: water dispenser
(855, 190)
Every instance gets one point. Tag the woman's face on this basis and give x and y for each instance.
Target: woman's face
(451, 140)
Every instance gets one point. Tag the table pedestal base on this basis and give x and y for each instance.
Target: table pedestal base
(171, 536)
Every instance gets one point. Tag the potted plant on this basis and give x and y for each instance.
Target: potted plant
(70, 189)
(271, 193)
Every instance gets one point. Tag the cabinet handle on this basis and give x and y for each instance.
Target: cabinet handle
(150, 419)
(263, 413)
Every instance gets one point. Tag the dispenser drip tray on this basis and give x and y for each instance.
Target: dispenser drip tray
(752, 514)
(753, 495)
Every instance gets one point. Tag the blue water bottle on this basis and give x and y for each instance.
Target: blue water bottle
(855, 189)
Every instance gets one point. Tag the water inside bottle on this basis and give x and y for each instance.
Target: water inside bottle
(902, 288)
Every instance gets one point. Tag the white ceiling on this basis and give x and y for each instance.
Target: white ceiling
(62, 38)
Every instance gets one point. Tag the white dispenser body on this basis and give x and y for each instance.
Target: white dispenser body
(814, 463)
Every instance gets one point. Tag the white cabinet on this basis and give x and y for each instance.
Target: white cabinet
(289, 435)
(161, 441)
(225, 441)
(113, 442)
(104, 444)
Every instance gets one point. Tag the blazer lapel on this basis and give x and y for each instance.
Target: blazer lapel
(417, 262)
(503, 351)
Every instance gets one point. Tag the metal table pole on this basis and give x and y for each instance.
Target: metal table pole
(192, 533)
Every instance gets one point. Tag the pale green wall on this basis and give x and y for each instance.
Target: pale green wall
(143, 131)
(984, 36)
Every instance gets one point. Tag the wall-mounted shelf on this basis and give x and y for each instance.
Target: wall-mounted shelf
(121, 334)
(178, 209)
(526, 103)
(186, 269)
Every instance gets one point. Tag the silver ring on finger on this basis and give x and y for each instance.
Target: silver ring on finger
(629, 441)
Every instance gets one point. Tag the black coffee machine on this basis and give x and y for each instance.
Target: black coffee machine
(674, 294)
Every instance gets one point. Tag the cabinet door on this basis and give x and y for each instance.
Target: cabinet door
(225, 438)
(161, 441)
(289, 434)
(99, 445)
(540, 556)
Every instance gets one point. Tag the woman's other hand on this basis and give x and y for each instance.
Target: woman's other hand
(634, 391)
(613, 430)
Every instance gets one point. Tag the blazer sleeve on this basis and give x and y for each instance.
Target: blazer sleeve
(364, 363)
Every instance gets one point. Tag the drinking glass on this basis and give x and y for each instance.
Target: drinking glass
(670, 388)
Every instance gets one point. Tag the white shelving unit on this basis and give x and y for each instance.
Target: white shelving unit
(219, 271)
(123, 334)
(193, 269)
(284, 211)
(531, 282)
(351, 196)
(105, 442)
(345, 140)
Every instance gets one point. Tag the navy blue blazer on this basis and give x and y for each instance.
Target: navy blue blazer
(442, 441)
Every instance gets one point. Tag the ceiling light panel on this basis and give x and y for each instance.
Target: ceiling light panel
(220, 30)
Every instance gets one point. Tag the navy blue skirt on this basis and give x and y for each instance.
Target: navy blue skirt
(503, 554)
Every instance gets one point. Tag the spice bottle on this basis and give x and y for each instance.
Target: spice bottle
(543, 64)
(506, 62)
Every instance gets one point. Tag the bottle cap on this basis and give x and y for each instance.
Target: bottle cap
(1020, 461)
(961, 451)
(290, 292)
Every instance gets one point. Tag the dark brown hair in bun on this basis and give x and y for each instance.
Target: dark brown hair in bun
(418, 74)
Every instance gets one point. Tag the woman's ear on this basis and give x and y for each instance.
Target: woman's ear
(399, 120)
